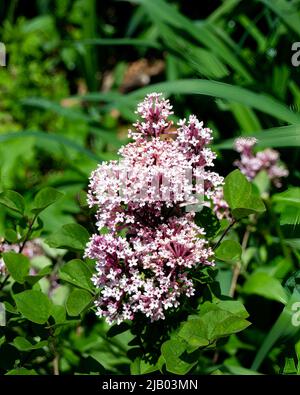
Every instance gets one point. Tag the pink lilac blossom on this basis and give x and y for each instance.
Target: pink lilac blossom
(2, 268)
(220, 206)
(144, 194)
(154, 111)
(32, 249)
(5, 247)
(251, 164)
(149, 273)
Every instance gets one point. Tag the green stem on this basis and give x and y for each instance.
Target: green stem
(4, 282)
(28, 233)
(52, 346)
(238, 265)
(234, 221)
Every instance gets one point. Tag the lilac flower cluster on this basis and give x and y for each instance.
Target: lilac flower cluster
(148, 271)
(251, 164)
(32, 249)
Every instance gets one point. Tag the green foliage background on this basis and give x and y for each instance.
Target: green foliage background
(75, 71)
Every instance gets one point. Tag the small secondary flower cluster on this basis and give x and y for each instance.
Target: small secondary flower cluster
(250, 164)
(148, 271)
(31, 249)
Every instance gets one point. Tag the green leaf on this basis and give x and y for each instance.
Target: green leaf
(117, 329)
(23, 344)
(214, 322)
(287, 203)
(207, 220)
(235, 307)
(229, 251)
(78, 273)
(44, 198)
(17, 265)
(58, 313)
(262, 284)
(239, 370)
(2, 340)
(31, 280)
(10, 308)
(279, 267)
(213, 325)
(34, 305)
(140, 366)
(241, 197)
(42, 273)
(222, 323)
(262, 181)
(77, 301)
(12, 200)
(11, 236)
(172, 350)
(69, 236)
(21, 372)
(194, 332)
(109, 360)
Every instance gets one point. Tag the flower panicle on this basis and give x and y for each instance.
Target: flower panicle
(149, 271)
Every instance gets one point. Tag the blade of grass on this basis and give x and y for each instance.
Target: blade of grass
(254, 31)
(287, 11)
(118, 41)
(223, 9)
(159, 10)
(45, 104)
(281, 331)
(204, 62)
(285, 136)
(245, 117)
(258, 101)
(51, 137)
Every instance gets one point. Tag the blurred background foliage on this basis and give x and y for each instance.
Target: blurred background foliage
(75, 72)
